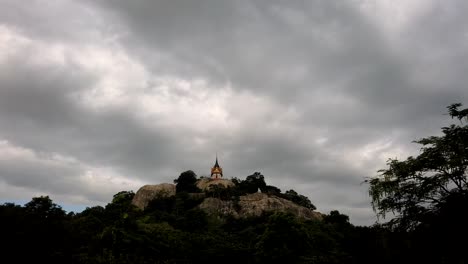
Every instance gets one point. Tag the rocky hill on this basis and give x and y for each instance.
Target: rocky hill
(205, 183)
(253, 204)
(148, 193)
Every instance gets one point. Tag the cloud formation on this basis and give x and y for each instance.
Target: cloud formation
(98, 96)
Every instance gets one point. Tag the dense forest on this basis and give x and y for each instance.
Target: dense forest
(426, 197)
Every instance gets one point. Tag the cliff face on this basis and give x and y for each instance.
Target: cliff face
(254, 205)
(247, 205)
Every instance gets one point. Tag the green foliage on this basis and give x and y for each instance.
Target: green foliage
(417, 187)
(40, 226)
(221, 192)
(284, 240)
(272, 190)
(172, 230)
(255, 182)
(252, 184)
(123, 197)
(298, 199)
(187, 182)
(428, 194)
(43, 207)
(336, 218)
(120, 207)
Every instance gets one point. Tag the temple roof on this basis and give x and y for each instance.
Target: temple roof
(216, 170)
(216, 164)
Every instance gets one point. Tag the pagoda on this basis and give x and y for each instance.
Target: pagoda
(216, 171)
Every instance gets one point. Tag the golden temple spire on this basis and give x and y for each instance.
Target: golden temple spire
(216, 171)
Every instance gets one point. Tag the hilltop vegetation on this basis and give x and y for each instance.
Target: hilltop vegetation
(187, 182)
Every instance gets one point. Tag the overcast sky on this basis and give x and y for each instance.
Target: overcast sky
(97, 97)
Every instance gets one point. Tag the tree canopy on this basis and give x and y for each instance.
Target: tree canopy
(419, 187)
(187, 182)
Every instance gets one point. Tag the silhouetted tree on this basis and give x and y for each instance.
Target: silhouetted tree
(299, 199)
(272, 189)
(252, 183)
(336, 217)
(187, 182)
(43, 207)
(428, 194)
(419, 186)
(285, 239)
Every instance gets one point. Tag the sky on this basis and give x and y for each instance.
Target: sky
(98, 96)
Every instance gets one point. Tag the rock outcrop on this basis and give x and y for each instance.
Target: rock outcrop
(247, 205)
(205, 183)
(148, 193)
(254, 205)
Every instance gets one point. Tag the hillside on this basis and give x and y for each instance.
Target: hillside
(213, 200)
(242, 221)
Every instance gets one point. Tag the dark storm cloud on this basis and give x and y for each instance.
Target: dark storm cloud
(41, 113)
(253, 43)
(313, 94)
(295, 53)
(268, 46)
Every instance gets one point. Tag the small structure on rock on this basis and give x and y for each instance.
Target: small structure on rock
(216, 171)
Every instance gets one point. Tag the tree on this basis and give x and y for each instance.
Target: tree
(45, 234)
(299, 199)
(123, 197)
(254, 182)
(336, 217)
(418, 188)
(187, 182)
(44, 207)
(285, 240)
(270, 189)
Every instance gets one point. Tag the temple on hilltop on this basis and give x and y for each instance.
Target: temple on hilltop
(216, 171)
